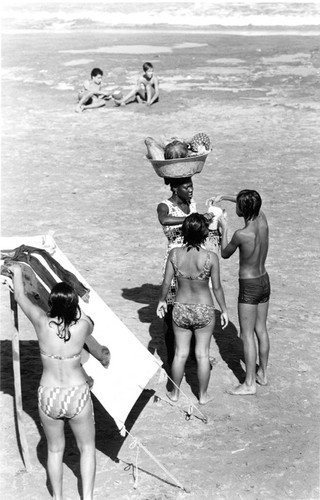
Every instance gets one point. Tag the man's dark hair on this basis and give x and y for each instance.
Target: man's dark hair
(249, 203)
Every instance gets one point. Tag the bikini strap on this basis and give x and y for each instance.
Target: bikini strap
(61, 358)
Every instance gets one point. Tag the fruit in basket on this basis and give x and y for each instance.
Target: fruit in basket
(200, 143)
(176, 149)
(155, 150)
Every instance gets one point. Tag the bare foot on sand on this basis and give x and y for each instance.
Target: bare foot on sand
(79, 109)
(203, 400)
(139, 100)
(261, 378)
(173, 396)
(119, 103)
(243, 390)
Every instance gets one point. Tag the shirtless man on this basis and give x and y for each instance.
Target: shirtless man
(146, 90)
(92, 95)
(254, 286)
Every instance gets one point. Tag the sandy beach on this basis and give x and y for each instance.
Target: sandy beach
(85, 177)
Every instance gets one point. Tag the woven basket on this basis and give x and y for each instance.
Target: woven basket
(179, 167)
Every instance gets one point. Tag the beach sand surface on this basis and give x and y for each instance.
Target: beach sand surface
(85, 177)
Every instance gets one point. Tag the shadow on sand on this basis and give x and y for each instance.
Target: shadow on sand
(229, 344)
(108, 439)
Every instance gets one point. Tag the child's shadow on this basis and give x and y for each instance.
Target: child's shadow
(149, 294)
(108, 439)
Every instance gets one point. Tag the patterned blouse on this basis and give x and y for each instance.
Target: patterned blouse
(175, 239)
(174, 233)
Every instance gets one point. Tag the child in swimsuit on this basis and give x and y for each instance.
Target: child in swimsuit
(193, 310)
(92, 95)
(146, 91)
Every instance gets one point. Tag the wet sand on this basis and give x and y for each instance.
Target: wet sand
(85, 176)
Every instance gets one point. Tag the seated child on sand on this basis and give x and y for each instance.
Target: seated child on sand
(146, 90)
(92, 95)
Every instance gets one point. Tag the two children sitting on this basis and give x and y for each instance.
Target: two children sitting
(92, 94)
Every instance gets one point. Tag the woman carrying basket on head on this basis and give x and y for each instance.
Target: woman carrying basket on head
(171, 214)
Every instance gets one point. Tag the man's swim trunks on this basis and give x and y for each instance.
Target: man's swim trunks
(254, 290)
(63, 402)
(191, 316)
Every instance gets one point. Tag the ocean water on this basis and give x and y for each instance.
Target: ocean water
(19, 15)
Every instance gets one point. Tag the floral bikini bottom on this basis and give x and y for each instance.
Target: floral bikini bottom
(192, 316)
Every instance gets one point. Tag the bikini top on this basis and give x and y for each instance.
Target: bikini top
(62, 358)
(204, 275)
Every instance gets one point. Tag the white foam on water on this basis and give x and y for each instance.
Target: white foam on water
(121, 49)
(188, 45)
(55, 16)
(78, 62)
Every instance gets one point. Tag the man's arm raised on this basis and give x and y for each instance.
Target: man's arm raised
(227, 249)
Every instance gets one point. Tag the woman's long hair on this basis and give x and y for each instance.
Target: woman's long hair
(64, 305)
(195, 230)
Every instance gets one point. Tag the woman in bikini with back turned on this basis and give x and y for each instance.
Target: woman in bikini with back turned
(64, 392)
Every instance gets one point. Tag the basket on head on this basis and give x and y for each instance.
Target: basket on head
(179, 167)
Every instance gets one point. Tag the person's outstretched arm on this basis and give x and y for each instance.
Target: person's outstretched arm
(227, 249)
(218, 290)
(165, 219)
(221, 197)
(33, 312)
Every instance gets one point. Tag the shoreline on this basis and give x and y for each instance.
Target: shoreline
(241, 31)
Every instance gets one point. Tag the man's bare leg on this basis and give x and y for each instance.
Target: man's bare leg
(247, 319)
(263, 342)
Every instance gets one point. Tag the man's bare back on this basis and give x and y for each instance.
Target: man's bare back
(253, 243)
(254, 285)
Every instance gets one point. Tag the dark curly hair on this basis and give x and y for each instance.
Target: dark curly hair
(64, 305)
(175, 182)
(195, 230)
